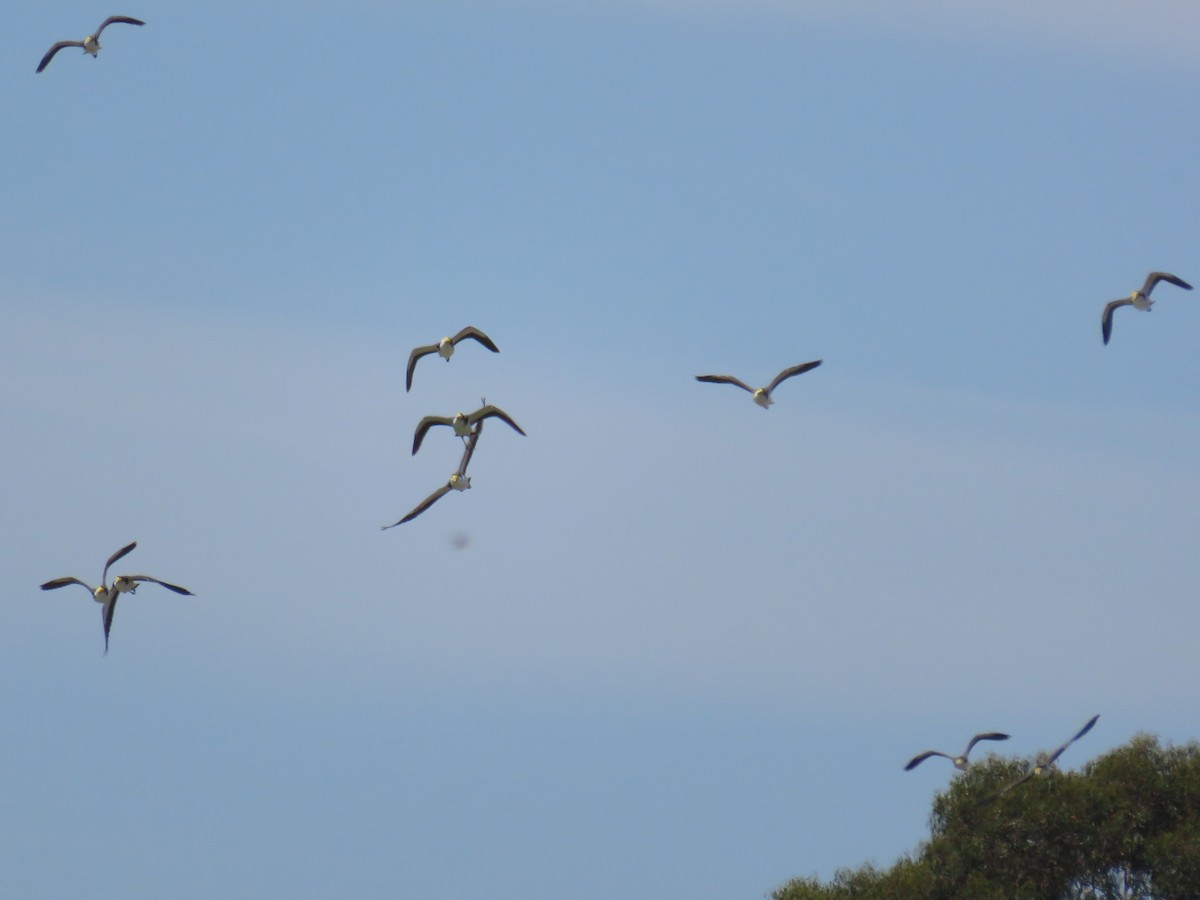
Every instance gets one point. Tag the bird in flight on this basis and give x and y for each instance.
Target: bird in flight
(762, 396)
(960, 762)
(445, 349)
(122, 584)
(459, 480)
(91, 43)
(463, 423)
(1045, 761)
(1138, 299)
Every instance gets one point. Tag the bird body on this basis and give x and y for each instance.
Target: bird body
(1139, 299)
(91, 43)
(762, 395)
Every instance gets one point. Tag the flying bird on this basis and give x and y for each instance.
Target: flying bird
(459, 480)
(960, 762)
(463, 423)
(1044, 762)
(445, 349)
(1139, 299)
(91, 43)
(122, 584)
(762, 396)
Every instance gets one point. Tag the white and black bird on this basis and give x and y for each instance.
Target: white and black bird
(106, 595)
(445, 349)
(762, 396)
(91, 43)
(1045, 762)
(463, 423)
(459, 480)
(960, 762)
(1138, 299)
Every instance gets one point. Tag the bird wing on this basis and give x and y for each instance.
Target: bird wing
(62, 582)
(50, 53)
(422, 506)
(424, 425)
(794, 370)
(412, 362)
(725, 379)
(470, 449)
(921, 757)
(987, 736)
(106, 615)
(1082, 731)
(496, 412)
(472, 332)
(112, 559)
(125, 20)
(1106, 319)
(170, 587)
(1024, 778)
(1155, 277)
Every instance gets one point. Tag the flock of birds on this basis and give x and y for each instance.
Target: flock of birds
(1043, 765)
(469, 427)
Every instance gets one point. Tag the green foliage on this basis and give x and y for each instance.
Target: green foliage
(1127, 827)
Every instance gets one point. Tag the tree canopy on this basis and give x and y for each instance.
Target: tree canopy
(1127, 826)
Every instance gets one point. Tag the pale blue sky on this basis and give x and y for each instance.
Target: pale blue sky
(689, 644)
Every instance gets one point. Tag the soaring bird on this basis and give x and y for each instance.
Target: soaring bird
(445, 349)
(1139, 299)
(91, 43)
(459, 480)
(122, 584)
(762, 396)
(463, 423)
(960, 762)
(1045, 761)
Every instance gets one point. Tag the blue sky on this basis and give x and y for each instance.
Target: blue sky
(688, 644)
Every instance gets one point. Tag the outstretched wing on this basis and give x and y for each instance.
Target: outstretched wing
(50, 53)
(63, 582)
(112, 559)
(921, 757)
(470, 449)
(1024, 778)
(494, 412)
(1106, 319)
(170, 587)
(475, 334)
(1155, 277)
(106, 615)
(794, 370)
(424, 425)
(1082, 731)
(725, 379)
(412, 362)
(422, 506)
(112, 20)
(988, 736)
